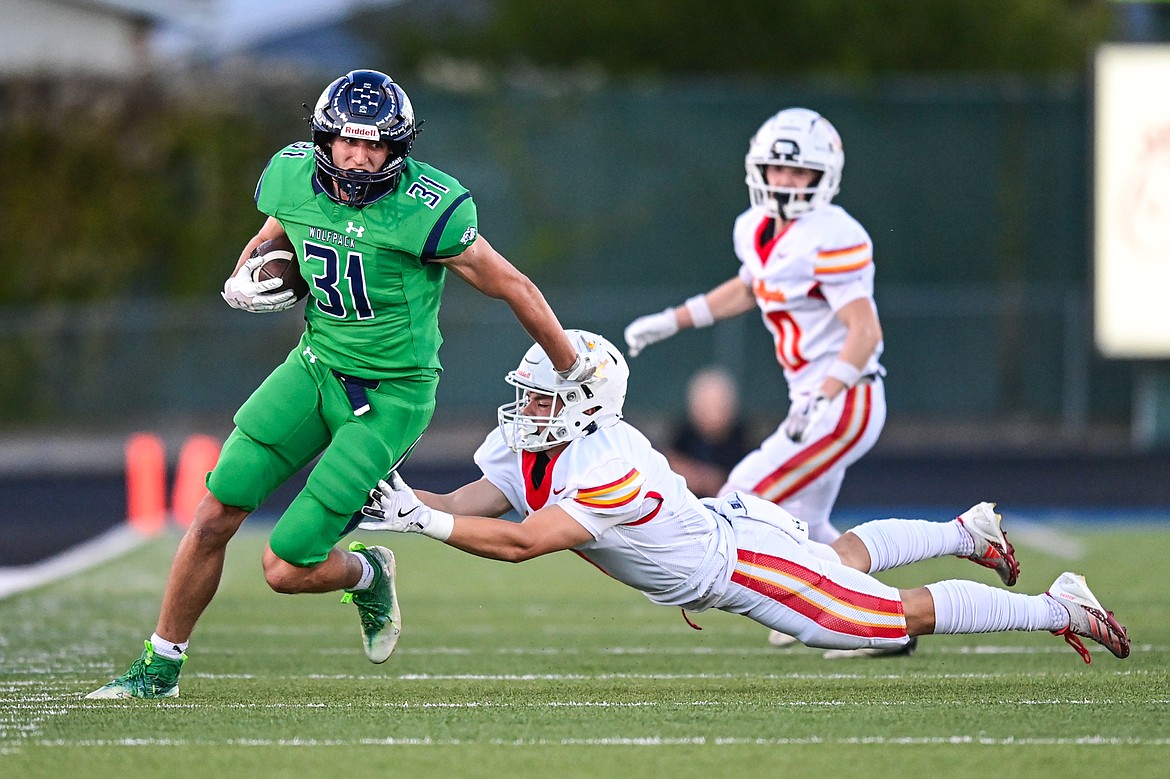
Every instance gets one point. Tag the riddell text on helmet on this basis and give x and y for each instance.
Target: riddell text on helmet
(355, 130)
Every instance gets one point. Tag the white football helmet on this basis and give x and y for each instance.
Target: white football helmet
(577, 409)
(803, 139)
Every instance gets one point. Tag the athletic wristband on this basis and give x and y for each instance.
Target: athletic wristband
(844, 372)
(440, 526)
(700, 311)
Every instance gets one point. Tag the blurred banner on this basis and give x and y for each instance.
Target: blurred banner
(1132, 201)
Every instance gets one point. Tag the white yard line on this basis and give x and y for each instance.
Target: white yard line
(113, 543)
(643, 741)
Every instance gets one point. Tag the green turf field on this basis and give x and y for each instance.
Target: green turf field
(550, 669)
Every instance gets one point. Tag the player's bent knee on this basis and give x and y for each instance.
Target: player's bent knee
(918, 608)
(852, 552)
(215, 523)
(281, 576)
(296, 548)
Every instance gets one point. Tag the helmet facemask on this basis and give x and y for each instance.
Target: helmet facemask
(568, 416)
(785, 202)
(356, 188)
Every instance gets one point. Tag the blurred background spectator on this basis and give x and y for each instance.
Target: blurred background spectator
(707, 443)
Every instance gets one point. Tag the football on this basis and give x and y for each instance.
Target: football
(280, 262)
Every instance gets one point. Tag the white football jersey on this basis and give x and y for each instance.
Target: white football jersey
(801, 276)
(648, 530)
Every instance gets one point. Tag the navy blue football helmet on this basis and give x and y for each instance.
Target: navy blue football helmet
(362, 104)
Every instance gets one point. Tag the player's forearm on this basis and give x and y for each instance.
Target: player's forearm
(729, 299)
(495, 539)
(535, 315)
(488, 271)
(863, 332)
(445, 502)
(478, 499)
(862, 337)
(269, 230)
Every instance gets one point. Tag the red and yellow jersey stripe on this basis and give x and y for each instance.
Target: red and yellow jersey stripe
(844, 260)
(614, 494)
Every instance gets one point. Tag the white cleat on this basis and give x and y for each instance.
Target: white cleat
(781, 640)
(992, 548)
(1087, 618)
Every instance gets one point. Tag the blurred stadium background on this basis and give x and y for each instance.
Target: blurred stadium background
(604, 143)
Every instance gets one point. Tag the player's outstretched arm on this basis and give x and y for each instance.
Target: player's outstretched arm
(488, 271)
(549, 530)
(394, 506)
(731, 298)
(479, 498)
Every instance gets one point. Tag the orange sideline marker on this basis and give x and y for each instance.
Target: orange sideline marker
(199, 455)
(146, 483)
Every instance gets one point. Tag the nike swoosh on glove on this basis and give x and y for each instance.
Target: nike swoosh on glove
(393, 506)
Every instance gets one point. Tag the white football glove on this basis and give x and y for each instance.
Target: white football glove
(650, 329)
(393, 506)
(582, 368)
(804, 415)
(242, 292)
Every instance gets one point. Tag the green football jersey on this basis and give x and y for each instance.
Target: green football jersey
(373, 310)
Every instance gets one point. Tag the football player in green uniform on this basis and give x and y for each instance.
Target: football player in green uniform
(375, 233)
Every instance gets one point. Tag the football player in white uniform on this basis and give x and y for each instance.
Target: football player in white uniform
(585, 480)
(808, 266)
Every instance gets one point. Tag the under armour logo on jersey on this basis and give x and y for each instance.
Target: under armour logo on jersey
(365, 99)
(468, 236)
(309, 353)
(359, 229)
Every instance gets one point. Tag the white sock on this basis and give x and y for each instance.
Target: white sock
(167, 648)
(367, 579)
(895, 542)
(970, 607)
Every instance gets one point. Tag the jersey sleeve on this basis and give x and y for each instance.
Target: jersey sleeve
(741, 234)
(843, 265)
(286, 174)
(607, 495)
(454, 230)
(745, 275)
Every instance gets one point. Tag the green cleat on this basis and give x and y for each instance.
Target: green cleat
(377, 606)
(150, 676)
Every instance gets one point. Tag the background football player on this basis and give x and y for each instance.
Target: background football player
(808, 266)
